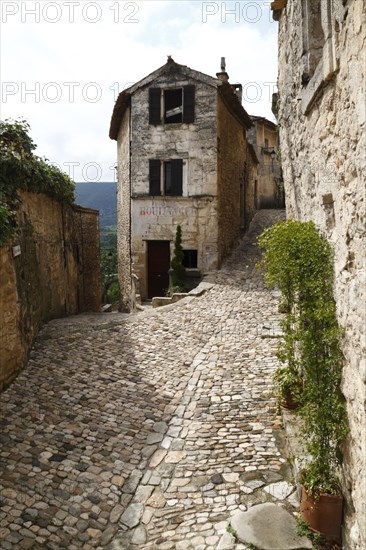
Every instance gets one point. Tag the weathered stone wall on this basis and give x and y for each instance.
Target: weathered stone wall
(195, 143)
(55, 274)
(264, 138)
(322, 133)
(250, 184)
(124, 215)
(156, 218)
(231, 158)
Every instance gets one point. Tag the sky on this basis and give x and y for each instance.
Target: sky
(63, 63)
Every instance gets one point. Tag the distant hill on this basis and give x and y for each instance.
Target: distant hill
(99, 195)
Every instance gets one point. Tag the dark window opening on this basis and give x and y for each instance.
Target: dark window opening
(179, 105)
(173, 177)
(154, 106)
(172, 171)
(188, 104)
(190, 259)
(173, 103)
(313, 38)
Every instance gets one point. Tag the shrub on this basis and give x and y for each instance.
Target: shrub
(21, 169)
(300, 263)
(179, 273)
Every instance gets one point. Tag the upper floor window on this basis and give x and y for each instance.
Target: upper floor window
(166, 177)
(313, 36)
(172, 105)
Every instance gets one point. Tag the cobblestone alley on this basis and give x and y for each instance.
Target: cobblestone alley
(148, 430)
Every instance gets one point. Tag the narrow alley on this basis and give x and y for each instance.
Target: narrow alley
(148, 430)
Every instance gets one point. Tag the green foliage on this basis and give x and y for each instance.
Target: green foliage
(230, 529)
(108, 254)
(303, 530)
(300, 263)
(179, 273)
(113, 293)
(109, 267)
(288, 382)
(8, 206)
(21, 169)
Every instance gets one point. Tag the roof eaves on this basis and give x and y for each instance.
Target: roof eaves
(233, 104)
(119, 110)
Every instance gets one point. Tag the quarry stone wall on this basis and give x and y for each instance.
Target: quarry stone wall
(231, 161)
(322, 119)
(49, 270)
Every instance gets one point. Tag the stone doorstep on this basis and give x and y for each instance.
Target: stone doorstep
(161, 301)
(165, 301)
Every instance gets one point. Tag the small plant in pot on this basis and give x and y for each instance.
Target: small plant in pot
(287, 378)
(288, 386)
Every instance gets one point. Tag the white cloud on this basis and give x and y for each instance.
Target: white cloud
(39, 58)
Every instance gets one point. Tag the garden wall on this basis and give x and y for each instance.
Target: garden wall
(49, 270)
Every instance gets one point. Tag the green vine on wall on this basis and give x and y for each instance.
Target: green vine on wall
(21, 169)
(299, 262)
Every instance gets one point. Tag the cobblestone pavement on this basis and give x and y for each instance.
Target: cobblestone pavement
(148, 430)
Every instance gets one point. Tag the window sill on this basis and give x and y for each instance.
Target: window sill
(176, 125)
(156, 197)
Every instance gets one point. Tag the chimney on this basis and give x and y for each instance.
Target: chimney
(223, 76)
(238, 89)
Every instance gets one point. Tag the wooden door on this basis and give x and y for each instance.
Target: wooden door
(158, 265)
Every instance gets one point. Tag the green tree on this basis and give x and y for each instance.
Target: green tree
(21, 169)
(178, 276)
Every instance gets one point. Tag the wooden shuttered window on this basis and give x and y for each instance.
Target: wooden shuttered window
(154, 177)
(188, 103)
(154, 106)
(173, 177)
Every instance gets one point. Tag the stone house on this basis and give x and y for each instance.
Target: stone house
(263, 135)
(322, 119)
(183, 159)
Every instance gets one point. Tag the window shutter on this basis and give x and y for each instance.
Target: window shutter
(188, 104)
(154, 177)
(154, 106)
(177, 177)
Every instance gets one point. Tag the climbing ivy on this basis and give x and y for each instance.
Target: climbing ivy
(299, 261)
(21, 169)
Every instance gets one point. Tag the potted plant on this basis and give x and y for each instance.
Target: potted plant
(287, 378)
(324, 418)
(288, 385)
(299, 261)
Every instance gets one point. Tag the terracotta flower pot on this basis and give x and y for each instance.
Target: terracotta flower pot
(323, 515)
